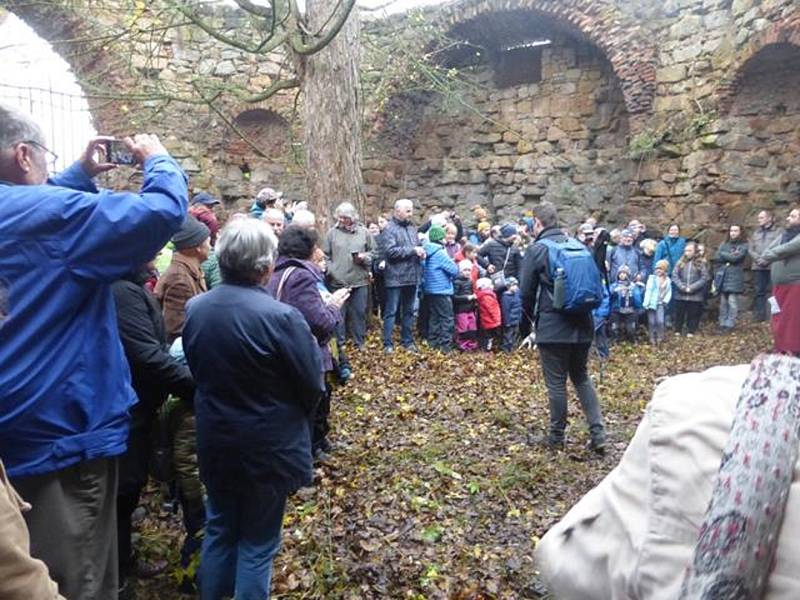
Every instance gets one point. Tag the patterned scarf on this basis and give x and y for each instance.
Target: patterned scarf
(739, 535)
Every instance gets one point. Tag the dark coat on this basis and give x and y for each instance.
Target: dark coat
(693, 275)
(536, 289)
(302, 290)
(730, 258)
(154, 372)
(259, 377)
(462, 290)
(511, 304)
(403, 266)
(494, 252)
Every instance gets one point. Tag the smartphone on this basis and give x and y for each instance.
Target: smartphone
(118, 153)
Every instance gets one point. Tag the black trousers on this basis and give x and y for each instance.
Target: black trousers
(441, 322)
(687, 311)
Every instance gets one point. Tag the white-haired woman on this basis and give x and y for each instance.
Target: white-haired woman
(350, 249)
(258, 374)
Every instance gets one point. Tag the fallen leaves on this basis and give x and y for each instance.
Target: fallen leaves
(435, 490)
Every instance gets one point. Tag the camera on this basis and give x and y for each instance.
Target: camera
(118, 153)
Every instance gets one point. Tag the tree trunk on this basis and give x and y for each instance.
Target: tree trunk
(330, 82)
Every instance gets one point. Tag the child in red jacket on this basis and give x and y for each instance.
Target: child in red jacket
(488, 312)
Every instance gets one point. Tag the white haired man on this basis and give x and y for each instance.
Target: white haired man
(403, 268)
(65, 386)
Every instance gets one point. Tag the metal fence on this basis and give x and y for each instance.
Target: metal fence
(64, 117)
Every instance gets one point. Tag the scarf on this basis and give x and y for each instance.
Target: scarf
(790, 233)
(740, 530)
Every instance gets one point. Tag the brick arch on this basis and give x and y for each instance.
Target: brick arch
(631, 54)
(786, 31)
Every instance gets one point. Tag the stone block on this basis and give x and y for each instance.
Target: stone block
(671, 74)
(554, 134)
(657, 188)
(568, 124)
(225, 68)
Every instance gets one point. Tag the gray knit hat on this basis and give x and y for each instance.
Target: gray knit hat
(191, 234)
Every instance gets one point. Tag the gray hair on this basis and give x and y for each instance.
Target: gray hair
(275, 213)
(403, 202)
(304, 218)
(347, 210)
(245, 250)
(16, 126)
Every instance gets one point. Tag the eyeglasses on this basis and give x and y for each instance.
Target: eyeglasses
(50, 156)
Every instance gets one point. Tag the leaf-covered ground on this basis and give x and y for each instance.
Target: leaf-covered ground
(434, 490)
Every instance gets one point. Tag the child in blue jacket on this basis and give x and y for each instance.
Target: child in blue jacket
(511, 309)
(440, 271)
(626, 301)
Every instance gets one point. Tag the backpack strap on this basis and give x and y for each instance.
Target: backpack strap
(286, 272)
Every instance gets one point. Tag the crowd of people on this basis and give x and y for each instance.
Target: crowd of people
(140, 336)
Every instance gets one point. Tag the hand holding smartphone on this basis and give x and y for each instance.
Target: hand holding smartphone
(118, 153)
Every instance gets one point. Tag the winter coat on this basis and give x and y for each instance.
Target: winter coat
(338, 247)
(154, 372)
(488, 309)
(182, 280)
(452, 249)
(301, 290)
(65, 388)
(784, 261)
(536, 289)
(211, 272)
(761, 239)
(670, 249)
(603, 311)
(462, 290)
(22, 577)
(511, 304)
(494, 252)
(259, 377)
(692, 274)
(730, 257)
(645, 266)
(626, 297)
(624, 255)
(440, 271)
(651, 293)
(403, 266)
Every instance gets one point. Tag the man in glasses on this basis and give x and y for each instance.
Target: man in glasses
(65, 389)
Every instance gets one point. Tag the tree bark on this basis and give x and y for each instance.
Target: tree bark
(331, 100)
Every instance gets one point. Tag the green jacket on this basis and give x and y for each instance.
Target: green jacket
(784, 260)
(338, 247)
(211, 271)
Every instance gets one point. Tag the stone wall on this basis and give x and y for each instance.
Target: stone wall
(662, 109)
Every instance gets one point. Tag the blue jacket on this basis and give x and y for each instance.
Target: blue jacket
(670, 249)
(603, 311)
(402, 263)
(440, 271)
(622, 255)
(626, 297)
(651, 293)
(259, 376)
(65, 386)
(511, 308)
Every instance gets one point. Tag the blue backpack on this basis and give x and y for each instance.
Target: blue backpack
(577, 283)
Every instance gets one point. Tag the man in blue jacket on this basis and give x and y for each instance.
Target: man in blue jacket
(65, 386)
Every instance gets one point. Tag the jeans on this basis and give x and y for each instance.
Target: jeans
(688, 311)
(509, 338)
(623, 325)
(354, 317)
(560, 361)
(763, 285)
(728, 310)
(441, 322)
(243, 535)
(656, 323)
(399, 299)
(73, 526)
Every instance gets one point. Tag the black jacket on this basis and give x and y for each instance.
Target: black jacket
(154, 373)
(403, 266)
(493, 252)
(536, 289)
(462, 289)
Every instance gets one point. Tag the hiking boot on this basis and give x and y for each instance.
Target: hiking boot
(545, 441)
(388, 350)
(598, 447)
(412, 348)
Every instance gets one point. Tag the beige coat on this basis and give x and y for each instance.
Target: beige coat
(21, 576)
(632, 536)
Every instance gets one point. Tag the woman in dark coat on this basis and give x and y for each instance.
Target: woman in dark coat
(258, 370)
(298, 281)
(730, 276)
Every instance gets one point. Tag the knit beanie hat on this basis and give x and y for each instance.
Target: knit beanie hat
(191, 234)
(507, 230)
(484, 226)
(436, 233)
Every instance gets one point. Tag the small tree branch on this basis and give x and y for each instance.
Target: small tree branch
(298, 45)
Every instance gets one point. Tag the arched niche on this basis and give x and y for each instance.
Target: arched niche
(265, 129)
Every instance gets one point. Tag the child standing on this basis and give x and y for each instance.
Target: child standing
(464, 305)
(657, 296)
(512, 313)
(690, 278)
(488, 312)
(625, 299)
(440, 271)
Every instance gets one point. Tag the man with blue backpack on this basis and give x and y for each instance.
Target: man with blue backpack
(560, 286)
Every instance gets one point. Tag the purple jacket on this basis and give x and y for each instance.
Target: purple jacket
(301, 289)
